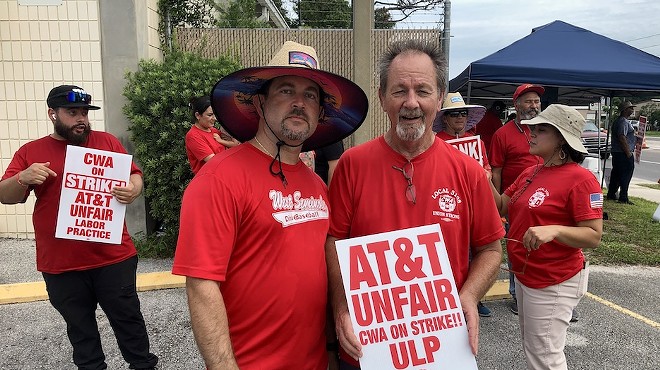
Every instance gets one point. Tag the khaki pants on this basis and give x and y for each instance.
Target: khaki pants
(544, 315)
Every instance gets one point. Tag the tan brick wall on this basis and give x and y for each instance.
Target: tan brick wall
(42, 47)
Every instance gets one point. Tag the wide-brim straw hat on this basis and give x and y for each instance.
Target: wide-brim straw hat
(454, 101)
(344, 103)
(567, 120)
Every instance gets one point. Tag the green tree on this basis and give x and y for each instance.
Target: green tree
(239, 14)
(284, 12)
(183, 13)
(323, 14)
(157, 108)
(383, 19)
(652, 114)
(333, 14)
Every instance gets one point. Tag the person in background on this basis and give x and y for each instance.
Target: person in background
(509, 150)
(452, 122)
(555, 211)
(326, 160)
(255, 218)
(491, 122)
(401, 180)
(623, 154)
(203, 140)
(79, 274)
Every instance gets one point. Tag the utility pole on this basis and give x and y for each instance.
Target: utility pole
(445, 37)
(363, 24)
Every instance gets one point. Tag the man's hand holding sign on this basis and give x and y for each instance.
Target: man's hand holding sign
(404, 306)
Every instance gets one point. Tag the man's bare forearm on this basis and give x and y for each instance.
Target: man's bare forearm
(335, 285)
(483, 271)
(208, 317)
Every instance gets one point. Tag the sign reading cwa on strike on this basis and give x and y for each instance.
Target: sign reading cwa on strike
(88, 211)
(403, 301)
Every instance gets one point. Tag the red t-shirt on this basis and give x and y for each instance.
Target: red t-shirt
(561, 195)
(445, 136)
(487, 126)
(60, 255)
(367, 196)
(265, 243)
(509, 150)
(199, 145)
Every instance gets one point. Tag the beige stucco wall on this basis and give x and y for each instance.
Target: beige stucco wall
(45, 46)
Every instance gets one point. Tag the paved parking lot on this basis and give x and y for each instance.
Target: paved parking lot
(618, 328)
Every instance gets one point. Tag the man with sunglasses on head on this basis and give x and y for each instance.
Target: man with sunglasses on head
(80, 275)
(409, 177)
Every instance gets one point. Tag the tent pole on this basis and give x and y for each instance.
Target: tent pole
(607, 138)
(469, 91)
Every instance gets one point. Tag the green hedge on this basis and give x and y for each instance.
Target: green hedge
(158, 95)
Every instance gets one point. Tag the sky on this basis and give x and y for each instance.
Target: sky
(481, 27)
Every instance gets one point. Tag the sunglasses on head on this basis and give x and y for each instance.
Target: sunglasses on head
(78, 97)
(456, 113)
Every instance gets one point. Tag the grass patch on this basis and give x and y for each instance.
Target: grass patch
(630, 236)
(652, 186)
(653, 133)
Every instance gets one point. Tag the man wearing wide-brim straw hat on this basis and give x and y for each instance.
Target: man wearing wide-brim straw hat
(452, 105)
(255, 218)
(456, 119)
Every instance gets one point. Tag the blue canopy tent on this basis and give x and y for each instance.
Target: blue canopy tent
(576, 66)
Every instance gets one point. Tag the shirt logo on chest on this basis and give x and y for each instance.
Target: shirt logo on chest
(448, 200)
(536, 199)
(293, 209)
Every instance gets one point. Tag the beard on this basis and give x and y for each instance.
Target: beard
(529, 114)
(69, 134)
(410, 131)
(299, 135)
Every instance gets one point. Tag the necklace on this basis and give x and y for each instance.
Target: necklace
(519, 128)
(262, 147)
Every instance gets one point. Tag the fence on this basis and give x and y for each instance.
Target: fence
(255, 47)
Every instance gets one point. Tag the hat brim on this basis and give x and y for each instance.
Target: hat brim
(475, 114)
(344, 103)
(572, 140)
(78, 105)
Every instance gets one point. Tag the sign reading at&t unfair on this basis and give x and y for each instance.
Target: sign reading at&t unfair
(88, 211)
(403, 301)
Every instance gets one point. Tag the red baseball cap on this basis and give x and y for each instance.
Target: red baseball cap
(524, 88)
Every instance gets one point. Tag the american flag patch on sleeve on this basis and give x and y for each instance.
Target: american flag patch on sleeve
(596, 200)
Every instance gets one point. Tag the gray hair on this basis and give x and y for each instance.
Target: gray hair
(413, 46)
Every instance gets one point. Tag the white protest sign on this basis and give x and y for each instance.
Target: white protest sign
(403, 301)
(639, 139)
(470, 145)
(88, 211)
